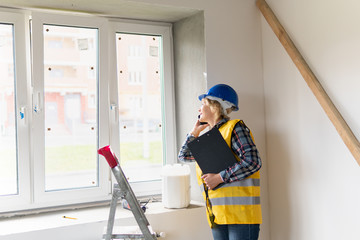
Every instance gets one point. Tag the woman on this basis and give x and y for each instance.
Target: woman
(233, 208)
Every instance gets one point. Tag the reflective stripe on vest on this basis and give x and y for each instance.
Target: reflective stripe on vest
(247, 182)
(236, 202)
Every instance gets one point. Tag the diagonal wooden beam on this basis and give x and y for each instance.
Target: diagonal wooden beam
(338, 121)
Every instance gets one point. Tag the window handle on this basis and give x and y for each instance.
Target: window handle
(22, 114)
(114, 114)
(37, 103)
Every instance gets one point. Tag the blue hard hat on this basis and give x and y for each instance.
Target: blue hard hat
(223, 91)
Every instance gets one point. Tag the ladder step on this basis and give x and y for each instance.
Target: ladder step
(126, 236)
(126, 232)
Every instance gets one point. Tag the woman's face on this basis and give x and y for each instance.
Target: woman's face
(206, 113)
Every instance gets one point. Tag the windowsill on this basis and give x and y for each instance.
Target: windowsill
(46, 221)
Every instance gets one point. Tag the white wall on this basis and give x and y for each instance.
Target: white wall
(233, 56)
(313, 178)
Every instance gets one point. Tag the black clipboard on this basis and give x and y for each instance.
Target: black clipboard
(211, 152)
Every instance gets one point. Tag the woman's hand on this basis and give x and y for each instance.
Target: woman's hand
(212, 180)
(198, 128)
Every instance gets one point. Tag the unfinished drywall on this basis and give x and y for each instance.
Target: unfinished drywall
(232, 56)
(189, 61)
(313, 178)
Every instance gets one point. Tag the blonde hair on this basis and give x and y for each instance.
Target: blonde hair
(213, 104)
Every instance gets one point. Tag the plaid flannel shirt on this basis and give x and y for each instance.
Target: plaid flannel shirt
(241, 144)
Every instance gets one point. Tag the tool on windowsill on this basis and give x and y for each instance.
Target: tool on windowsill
(70, 217)
(126, 205)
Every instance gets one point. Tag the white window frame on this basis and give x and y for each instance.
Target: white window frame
(79, 195)
(22, 76)
(29, 71)
(168, 98)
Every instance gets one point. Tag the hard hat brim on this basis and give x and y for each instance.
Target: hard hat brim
(202, 96)
(236, 108)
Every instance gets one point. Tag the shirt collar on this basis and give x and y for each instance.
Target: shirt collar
(221, 122)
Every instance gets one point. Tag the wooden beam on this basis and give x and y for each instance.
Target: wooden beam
(338, 121)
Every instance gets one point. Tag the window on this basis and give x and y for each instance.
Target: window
(14, 112)
(135, 77)
(140, 109)
(145, 106)
(66, 167)
(154, 51)
(134, 50)
(8, 164)
(84, 93)
(73, 134)
(55, 43)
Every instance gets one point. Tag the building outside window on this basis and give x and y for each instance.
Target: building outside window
(52, 126)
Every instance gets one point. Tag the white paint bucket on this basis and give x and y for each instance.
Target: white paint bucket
(176, 186)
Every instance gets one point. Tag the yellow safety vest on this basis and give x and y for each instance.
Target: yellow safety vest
(236, 202)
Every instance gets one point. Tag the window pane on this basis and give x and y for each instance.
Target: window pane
(70, 88)
(140, 116)
(8, 162)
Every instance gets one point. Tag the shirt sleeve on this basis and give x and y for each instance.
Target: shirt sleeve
(244, 147)
(185, 154)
